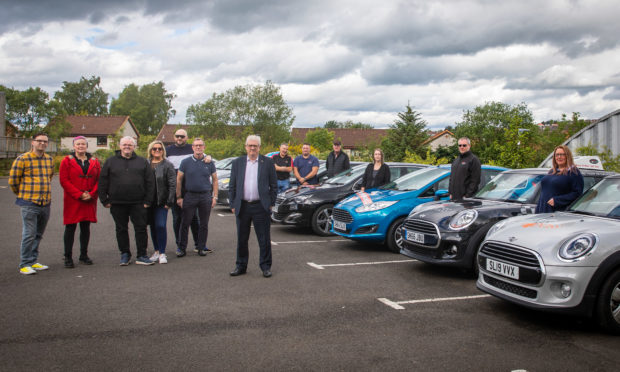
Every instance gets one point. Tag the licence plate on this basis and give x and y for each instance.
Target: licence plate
(504, 269)
(275, 208)
(414, 237)
(340, 226)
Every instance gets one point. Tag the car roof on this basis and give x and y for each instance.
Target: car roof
(483, 166)
(585, 172)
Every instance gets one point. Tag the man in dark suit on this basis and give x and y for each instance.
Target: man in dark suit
(252, 192)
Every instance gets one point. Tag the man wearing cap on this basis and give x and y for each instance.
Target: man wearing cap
(337, 161)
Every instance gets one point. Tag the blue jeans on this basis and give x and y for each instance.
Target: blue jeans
(157, 219)
(283, 185)
(34, 220)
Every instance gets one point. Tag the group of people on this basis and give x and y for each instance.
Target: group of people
(182, 178)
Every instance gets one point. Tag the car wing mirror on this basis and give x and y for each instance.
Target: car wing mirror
(441, 194)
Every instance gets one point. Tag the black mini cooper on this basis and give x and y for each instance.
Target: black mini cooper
(449, 233)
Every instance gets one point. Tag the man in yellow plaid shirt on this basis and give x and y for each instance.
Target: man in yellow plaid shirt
(30, 179)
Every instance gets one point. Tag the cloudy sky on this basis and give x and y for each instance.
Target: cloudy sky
(359, 60)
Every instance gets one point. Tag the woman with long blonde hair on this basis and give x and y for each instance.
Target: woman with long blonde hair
(165, 188)
(562, 185)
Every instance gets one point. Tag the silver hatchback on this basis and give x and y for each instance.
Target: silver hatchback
(564, 261)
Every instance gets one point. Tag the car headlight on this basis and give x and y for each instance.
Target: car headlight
(495, 228)
(302, 198)
(375, 206)
(463, 219)
(577, 247)
(223, 183)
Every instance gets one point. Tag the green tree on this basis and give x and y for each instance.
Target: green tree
(406, 134)
(150, 106)
(349, 124)
(518, 148)
(486, 127)
(31, 109)
(85, 97)
(320, 138)
(260, 109)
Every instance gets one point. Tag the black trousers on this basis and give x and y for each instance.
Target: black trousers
(191, 203)
(256, 214)
(121, 213)
(177, 216)
(69, 237)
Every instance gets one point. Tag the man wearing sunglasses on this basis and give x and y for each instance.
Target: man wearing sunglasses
(175, 153)
(465, 174)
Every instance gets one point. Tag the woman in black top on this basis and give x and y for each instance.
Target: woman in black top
(377, 173)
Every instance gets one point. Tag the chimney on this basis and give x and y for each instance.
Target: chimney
(2, 114)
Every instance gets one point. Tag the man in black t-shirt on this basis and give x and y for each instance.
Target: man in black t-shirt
(284, 167)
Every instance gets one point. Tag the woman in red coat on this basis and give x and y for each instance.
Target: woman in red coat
(79, 177)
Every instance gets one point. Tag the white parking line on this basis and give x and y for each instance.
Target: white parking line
(397, 304)
(226, 215)
(321, 267)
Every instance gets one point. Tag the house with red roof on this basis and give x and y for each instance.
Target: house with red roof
(96, 129)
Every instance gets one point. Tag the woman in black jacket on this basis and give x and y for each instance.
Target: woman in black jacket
(165, 188)
(377, 173)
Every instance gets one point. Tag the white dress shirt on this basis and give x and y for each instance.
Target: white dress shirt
(250, 187)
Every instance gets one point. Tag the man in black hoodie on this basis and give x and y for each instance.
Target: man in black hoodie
(127, 187)
(465, 174)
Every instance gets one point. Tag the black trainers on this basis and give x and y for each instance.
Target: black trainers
(86, 261)
(69, 263)
(180, 252)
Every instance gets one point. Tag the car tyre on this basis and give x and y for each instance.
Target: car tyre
(608, 304)
(394, 238)
(321, 220)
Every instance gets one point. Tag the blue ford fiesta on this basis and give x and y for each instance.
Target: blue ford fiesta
(377, 215)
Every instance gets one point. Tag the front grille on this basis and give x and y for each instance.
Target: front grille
(530, 270)
(420, 226)
(279, 216)
(342, 215)
(422, 251)
(510, 254)
(280, 199)
(520, 291)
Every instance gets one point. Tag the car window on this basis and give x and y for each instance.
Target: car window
(487, 175)
(511, 186)
(416, 180)
(602, 199)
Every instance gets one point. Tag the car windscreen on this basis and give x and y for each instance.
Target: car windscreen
(415, 180)
(520, 187)
(346, 176)
(603, 199)
(224, 163)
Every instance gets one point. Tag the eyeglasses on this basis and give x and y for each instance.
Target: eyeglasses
(41, 141)
(179, 136)
(157, 149)
(199, 145)
(252, 146)
(460, 145)
(560, 155)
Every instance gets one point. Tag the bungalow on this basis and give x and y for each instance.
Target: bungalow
(96, 129)
(444, 138)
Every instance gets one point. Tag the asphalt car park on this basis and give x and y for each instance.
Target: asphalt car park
(325, 308)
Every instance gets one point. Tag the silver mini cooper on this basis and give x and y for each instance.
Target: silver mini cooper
(565, 261)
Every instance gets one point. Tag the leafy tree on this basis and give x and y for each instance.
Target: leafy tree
(320, 138)
(349, 124)
(261, 109)
(85, 97)
(518, 148)
(406, 134)
(486, 127)
(31, 109)
(150, 106)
